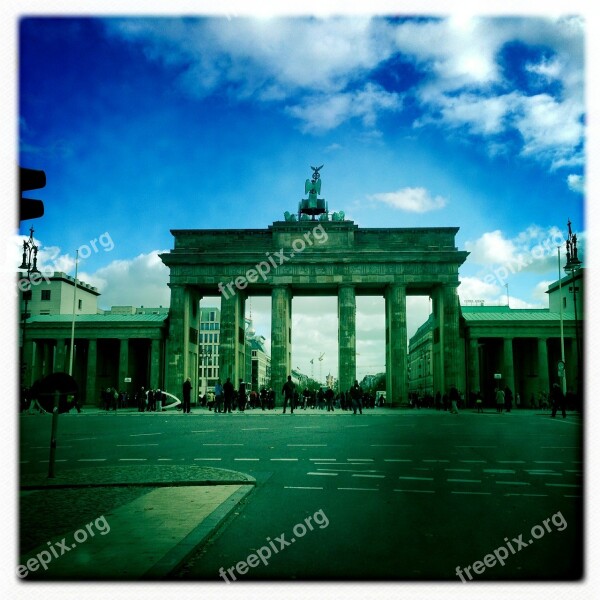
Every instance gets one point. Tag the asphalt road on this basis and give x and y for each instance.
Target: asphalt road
(387, 495)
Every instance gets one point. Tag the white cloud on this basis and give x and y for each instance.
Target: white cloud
(410, 199)
(491, 248)
(576, 183)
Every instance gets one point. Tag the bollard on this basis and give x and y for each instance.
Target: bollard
(53, 436)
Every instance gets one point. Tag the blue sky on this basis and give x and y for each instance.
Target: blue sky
(147, 124)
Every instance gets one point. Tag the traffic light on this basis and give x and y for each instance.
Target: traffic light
(30, 179)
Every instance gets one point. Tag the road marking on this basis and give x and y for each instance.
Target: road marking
(138, 434)
(575, 485)
(529, 495)
(577, 471)
(470, 446)
(165, 459)
(359, 459)
(560, 447)
(473, 461)
(222, 444)
(353, 426)
(391, 445)
(473, 493)
(207, 459)
(416, 478)
(417, 491)
(397, 460)
(498, 471)
(254, 428)
(91, 459)
(301, 487)
(459, 470)
(513, 483)
(246, 459)
(204, 431)
(285, 459)
(342, 470)
(306, 445)
(545, 473)
(134, 445)
(435, 460)
(132, 459)
(307, 427)
(46, 447)
(324, 459)
(421, 468)
(366, 475)
(55, 460)
(325, 473)
(548, 462)
(463, 480)
(359, 489)
(511, 462)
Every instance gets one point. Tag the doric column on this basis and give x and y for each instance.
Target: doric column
(281, 335)
(450, 339)
(346, 336)
(178, 340)
(92, 395)
(543, 374)
(29, 358)
(154, 365)
(123, 363)
(396, 344)
(231, 338)
(60, 360)
(508, 365)
(474, 377)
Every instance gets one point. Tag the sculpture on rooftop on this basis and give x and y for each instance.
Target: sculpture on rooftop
(313, 205)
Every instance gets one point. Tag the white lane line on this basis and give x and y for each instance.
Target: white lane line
(499, 471)
(341, 470)
(366, 475)
(132, 459)
(548, 462)
(301, 487)
(416, 478)
(284, 459)
(139, 434)
(359, 459)
(422, 469)
(473, 493)
(545, 473)
(55, 460)
(469, 446)
(397, 460)
(473, 461)
(323, 459)
(354, 426)
(247, 459)
(308, 427)
(391, 445)
(573, 485)
(307, 445)
(529, 495)
(435, 460)
(254, 428)
(207, 459)
(576, 471)
(359, 489)
(91, 459)
(165, 459)
(203, 431)
(322, 473)
(417, 491)
(222, 444)
(134, 445)
(513, 483)
(510, 462)
(463, 480)
(458, 470)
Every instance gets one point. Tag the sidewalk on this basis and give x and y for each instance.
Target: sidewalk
(122, 523)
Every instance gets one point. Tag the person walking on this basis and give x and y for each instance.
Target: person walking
(228, 395)
(242, 396)
(356, 395)
(508, 398)
(288, 394)
(558, 400)
(329, 396)
(454, 397)
(187, 395)
(499, 400)
(218, 397)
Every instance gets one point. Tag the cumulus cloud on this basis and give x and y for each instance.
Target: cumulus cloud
(576, 183)
(410, 199)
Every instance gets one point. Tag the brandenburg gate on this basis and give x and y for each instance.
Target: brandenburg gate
(302, 256)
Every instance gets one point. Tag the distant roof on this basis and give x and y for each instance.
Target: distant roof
(565, 280)
(503, 313)
(105, 318)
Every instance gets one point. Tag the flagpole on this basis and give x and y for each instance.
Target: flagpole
(562, 336)
(73, 319)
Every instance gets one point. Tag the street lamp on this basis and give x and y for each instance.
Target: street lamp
(573, 265)
(29, 264)
(205, 353)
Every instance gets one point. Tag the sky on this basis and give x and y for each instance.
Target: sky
(146, 124)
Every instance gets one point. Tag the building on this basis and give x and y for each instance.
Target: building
(261, 363)
(502, 346)
(208, 349)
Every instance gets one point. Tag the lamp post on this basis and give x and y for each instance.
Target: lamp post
(29, 264)
(205, 353)
(573, 265)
